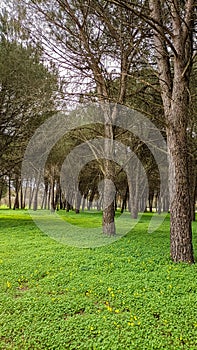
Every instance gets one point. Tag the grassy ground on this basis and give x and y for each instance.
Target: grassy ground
(126, 295)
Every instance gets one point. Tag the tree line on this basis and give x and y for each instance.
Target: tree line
(140, 54)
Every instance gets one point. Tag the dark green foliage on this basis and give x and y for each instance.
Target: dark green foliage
(128, 295)
(27, 97)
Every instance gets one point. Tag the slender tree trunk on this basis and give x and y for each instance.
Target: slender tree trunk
(60, 197)
(36, 192)
(84, 200)
(93, 192)
(9, 192)
(35, 200)
(67, 206)
(150, 201)
(124, 200)
(49, 197)
(25, 195)
(21, 196)
(31, 192)
(159, 203)
(57, 195)
(134, 183)
(17, 189)
(83, 203)
(53, 195)
(69, 201)
(133, 200)
(45, 194)
(77, 202)
(166, 204)
(115, 202)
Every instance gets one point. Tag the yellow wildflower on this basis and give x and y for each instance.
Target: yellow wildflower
(109, 308)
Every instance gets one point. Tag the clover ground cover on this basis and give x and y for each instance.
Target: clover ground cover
(126, 295)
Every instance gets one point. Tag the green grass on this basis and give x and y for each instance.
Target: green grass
(126, 295)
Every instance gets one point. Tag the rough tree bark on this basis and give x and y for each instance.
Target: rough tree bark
(174, 90)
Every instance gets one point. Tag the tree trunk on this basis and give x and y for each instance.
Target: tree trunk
(108, 200)
(180, 207)
(109, 172)
(52, 196)
(77, 202)
(108, 220)
(124, 200)
(21, 196)
(166, 204)
(180, 224)
(60, 197)
(133, 200)
(159, 205)
(84, 200)
(49, 197)
(174, 78)
(17, 189)
(192, 184)
(91, 198)
(25, 195)
(57, 195)
(109, 210)
(35, 201)
(36, 192)
(9, 192)
(31, 192)
(45, 194)
(150, 201)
